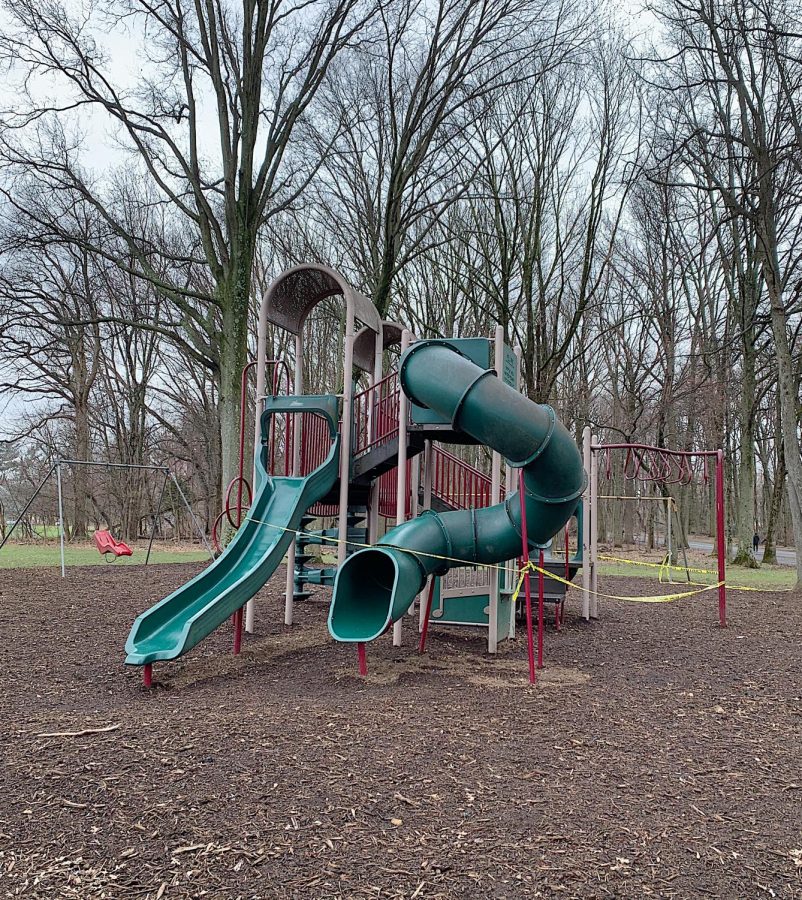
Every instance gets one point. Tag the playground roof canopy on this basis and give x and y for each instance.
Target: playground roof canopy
(365, 343)
(296, 292)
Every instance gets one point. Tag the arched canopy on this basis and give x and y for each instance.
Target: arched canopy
(296, 292)
(365, 344)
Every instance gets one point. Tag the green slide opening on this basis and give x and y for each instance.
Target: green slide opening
(366, 592)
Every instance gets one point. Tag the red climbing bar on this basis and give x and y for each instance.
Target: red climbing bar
(237, 631)
(363, 662)
(527, 586)
(540, 593)
(425, 629)
(147, 675)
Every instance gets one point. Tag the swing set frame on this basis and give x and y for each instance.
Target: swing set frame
(56, 469)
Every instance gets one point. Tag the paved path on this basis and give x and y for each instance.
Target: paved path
(785, 556)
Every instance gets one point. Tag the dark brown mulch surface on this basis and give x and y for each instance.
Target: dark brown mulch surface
(657, 757)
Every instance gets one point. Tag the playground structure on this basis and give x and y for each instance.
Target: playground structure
(106, 544)
(460, 533)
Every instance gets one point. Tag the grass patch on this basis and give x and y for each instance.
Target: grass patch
(764, 578)
(29, 556)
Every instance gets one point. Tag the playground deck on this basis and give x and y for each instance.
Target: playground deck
(658, 756)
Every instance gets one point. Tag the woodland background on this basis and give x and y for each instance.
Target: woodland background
(621, 193)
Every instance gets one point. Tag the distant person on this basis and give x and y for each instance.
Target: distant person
(755, 542)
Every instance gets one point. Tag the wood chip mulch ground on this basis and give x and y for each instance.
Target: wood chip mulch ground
(658, 756)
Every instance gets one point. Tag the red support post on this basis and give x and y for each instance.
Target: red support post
(363, 662)
(540, 591)
(147, 675)
(527, 585)
(425, 629)
(721, 539)
(237, 631)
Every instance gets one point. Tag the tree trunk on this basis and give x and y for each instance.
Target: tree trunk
(745, 494)
(770, 543)
(787, 388)
(233, 356)
(80, 474)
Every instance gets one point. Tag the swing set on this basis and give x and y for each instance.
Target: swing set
(104, 541)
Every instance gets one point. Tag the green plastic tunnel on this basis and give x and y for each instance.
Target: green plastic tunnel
(375, 587)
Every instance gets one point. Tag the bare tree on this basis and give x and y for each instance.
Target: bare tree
(50, 298)
(208, 124)
(412, 114)
(732, 81)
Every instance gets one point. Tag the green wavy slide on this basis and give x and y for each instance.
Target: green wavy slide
(375, 587)
(184, 618)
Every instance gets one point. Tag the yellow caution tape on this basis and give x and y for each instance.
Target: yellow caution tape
(530, 566)
(660, 565)
(662, 598)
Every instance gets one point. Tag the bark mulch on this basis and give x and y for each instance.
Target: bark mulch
(658, 756)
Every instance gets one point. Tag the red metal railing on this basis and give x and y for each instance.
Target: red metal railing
(376, 414)
(315, 441)
(388, 493)
(459, 484)
(315, 446)
(281, 371)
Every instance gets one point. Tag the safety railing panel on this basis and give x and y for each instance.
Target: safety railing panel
(459, 484)
(376, 414)
(388, 493)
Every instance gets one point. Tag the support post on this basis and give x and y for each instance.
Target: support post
(426, 613)
(721, 540)
(362, 657)
(495, 499)
(373, 499)
(237, 631)
(297, 438)
(373, 512)
(540, 598)
(588, 514)
(401, 489)
(345, 433)
(428, 457)
(509, 480)
(60, 518)
(527, 584)
(147, 675)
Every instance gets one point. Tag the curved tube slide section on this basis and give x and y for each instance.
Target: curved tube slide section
(375, 587)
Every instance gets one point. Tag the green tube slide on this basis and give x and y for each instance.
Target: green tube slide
(375, 587)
